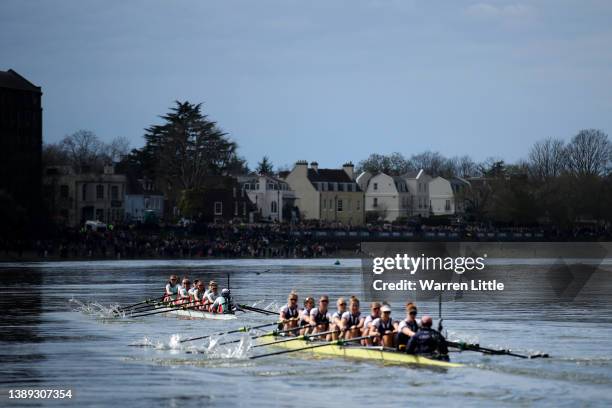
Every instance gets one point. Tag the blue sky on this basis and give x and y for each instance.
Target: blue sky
(322, 80)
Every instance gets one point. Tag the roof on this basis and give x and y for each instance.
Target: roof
(12, 80)
(412, 174)
(328, 175)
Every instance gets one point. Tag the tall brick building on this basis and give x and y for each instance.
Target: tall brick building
(21, 141)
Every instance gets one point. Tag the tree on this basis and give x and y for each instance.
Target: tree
(432, 163)
(265, 166)
(187, 147)
(84, 150)
(589, 153)
(394, 164)
(547, 159)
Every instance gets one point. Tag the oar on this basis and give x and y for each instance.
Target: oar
(268, 334)
(485, 350)
(257, 310)
(124, 308)
(151, 306)
(239, 330)
(304, 337)
(330, 343)
(167, 309)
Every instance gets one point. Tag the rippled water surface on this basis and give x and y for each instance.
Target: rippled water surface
(55, 333)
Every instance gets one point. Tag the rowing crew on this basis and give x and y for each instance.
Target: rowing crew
(209, 300)
(410, 334)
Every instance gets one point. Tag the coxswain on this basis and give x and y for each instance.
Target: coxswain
(352, 321)
(384, 328)
(172, 288)
(183, 292)
(290, 312)
(336, 319)
(211, 294)
(320, 317)
(428, 342)
(305, 315)
(407, 327)
(223, 303)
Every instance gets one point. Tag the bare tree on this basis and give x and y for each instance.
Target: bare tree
(547, 159)
(589, 153)
(465, 167)
(432, 162)
(118, 148)
(84, 149)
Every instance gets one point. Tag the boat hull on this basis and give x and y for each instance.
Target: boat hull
(364, 353)
(198, 314)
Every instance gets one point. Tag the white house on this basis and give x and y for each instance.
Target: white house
(143, 200)
(418, 186)
(272, 196)
(386, 197)
(441, 197)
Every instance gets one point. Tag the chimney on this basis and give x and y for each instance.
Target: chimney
(349, 169)
(314, 165)
(301, 168)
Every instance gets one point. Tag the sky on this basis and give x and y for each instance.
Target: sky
(330, 81)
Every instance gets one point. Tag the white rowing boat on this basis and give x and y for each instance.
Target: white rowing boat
(198, 314)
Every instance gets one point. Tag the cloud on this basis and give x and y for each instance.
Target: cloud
(487, 11)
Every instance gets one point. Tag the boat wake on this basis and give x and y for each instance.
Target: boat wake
(95, 309)
(211, 349)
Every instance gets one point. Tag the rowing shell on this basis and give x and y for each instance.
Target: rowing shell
(364, 353)
(198, 314)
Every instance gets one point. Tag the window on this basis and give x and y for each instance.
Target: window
(274, 207)
(358, 205)
(375, 204)
(84, 192)
(349, 204)
(340, 186)
(247, 186)
(375, 186)
(99, 192)
(447, 205)
(339, 205)
(330, 186)
(218, 208)
(64, 191)
(324, 203)
(114, 193)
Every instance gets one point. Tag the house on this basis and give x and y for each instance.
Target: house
(418, 186)
(74, 198)
(21, 141)
(386, 197)
(220, 199)
(327, 194)
(461, 188)
(272, 196)
(143, 201)
(441, 197)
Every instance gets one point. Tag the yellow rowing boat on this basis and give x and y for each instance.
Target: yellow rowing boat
(361, 353)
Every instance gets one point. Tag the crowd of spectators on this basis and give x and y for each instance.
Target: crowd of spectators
(268, 240)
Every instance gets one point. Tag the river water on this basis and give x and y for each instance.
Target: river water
(54, 335)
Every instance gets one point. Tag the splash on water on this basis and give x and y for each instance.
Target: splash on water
(95, 309)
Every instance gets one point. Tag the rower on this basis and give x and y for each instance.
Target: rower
(223, 303)
(374, 314)
(304, 315)
(384, 328)
(290, 312)
(320, 317)
(407, 327)
(183, 292)
(428, 341)
(352, 321)
(336, 318)
(199, 295)
(172, 287)
(211, 294)
(193, 288)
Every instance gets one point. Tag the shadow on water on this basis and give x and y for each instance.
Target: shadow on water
(21, 305)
